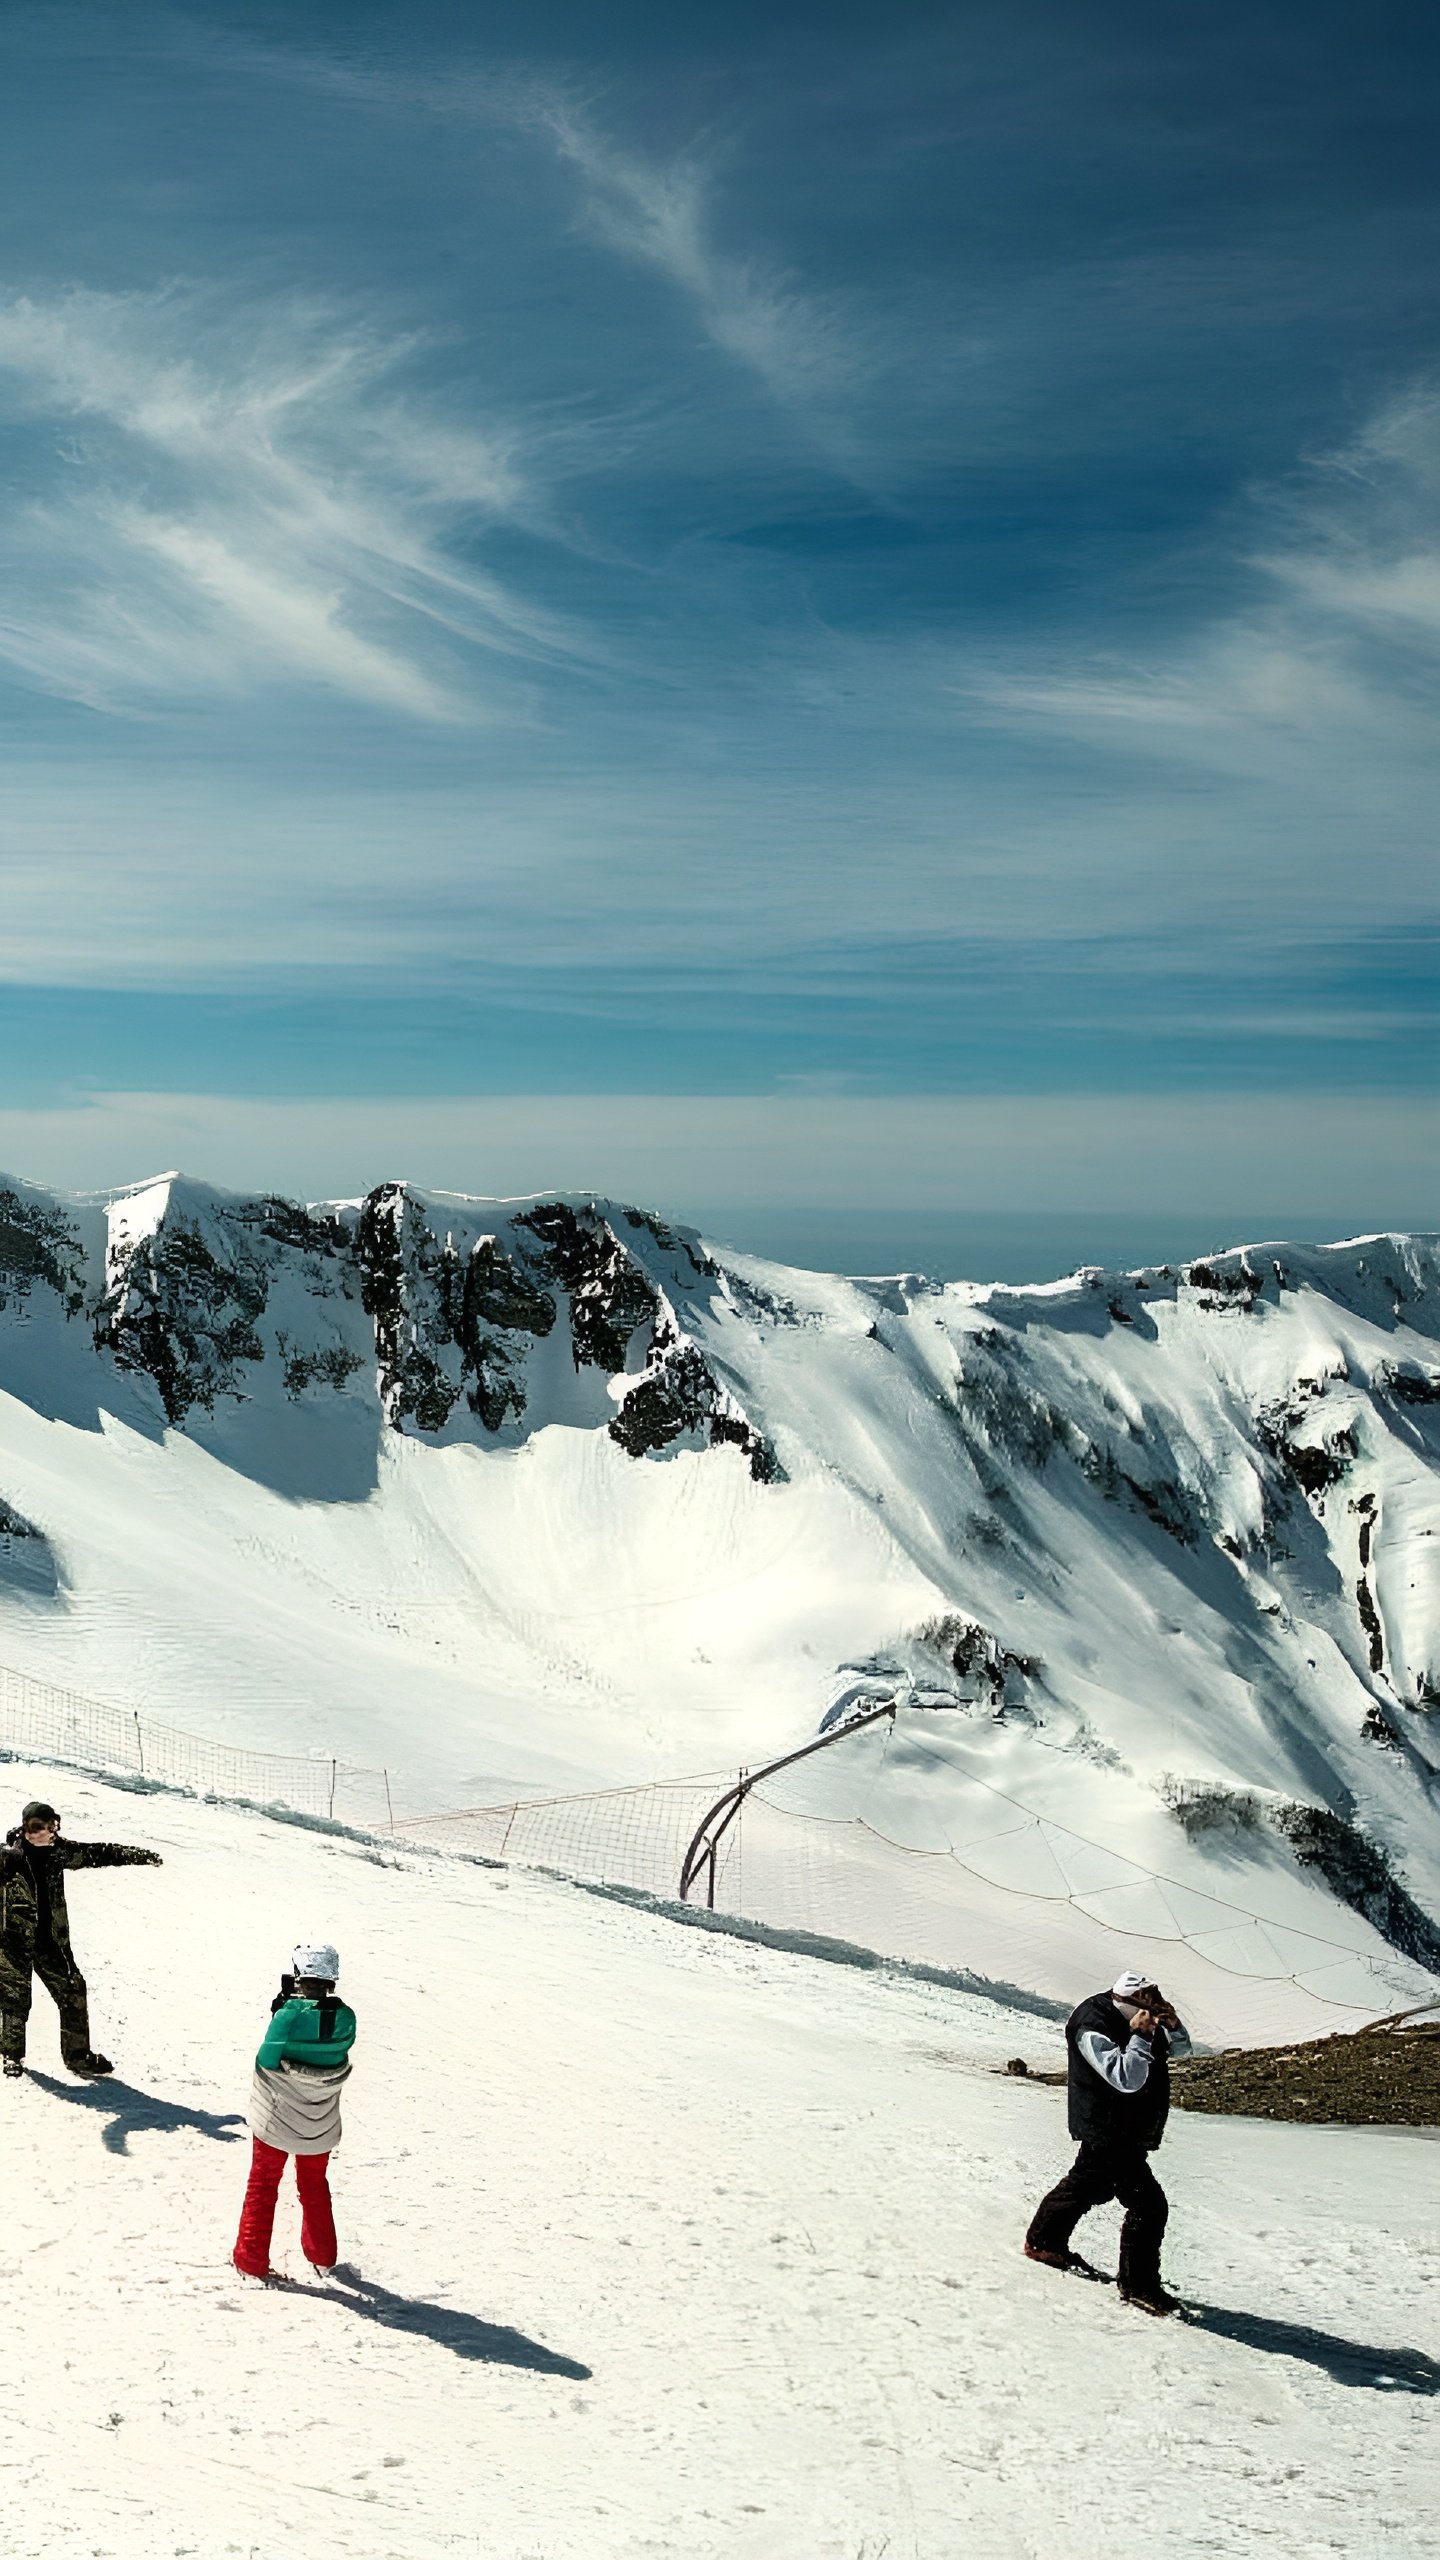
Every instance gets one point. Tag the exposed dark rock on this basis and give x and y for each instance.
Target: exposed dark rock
(319, 1234)
(1314, 1465)
(1410, 1385)
(1316, 1468)
(679, 1396)
(498, 1292)
(1370, 1621)
(330, 1366)
(1359, 1872)
(183, 1316)
(38, 1243)
(1227, 1288)
(404, 1280)
(973, 1652)
(1378, 1729)
(610, 1297)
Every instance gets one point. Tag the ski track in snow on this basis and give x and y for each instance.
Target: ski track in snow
(669, 2244)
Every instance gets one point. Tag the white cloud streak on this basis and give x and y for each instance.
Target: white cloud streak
(810, 352)
(236, 503)
(804, 350)
(1335, 653)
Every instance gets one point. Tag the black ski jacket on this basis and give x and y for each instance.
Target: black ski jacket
(25, 1879)
(1118, 2119)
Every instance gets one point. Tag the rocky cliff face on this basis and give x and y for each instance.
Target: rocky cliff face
(437, 1307)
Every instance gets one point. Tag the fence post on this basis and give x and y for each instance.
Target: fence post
(389, 1808)
(332, 1790)
(139, 1743)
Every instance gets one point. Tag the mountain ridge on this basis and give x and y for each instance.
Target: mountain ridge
(552, 1485)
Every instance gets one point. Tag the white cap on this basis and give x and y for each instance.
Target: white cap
(315, 1964)
(1130, 1986)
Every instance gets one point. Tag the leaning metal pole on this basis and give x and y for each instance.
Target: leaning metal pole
(702, 1849)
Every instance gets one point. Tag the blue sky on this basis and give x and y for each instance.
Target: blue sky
(804, 561)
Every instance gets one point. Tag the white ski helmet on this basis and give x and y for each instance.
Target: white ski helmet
(315, 1964)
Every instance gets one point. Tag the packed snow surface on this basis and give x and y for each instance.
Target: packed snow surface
(663, 2243)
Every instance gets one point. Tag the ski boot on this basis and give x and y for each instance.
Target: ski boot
(1068, 2261)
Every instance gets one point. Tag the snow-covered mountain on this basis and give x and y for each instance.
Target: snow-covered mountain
(545, 1492)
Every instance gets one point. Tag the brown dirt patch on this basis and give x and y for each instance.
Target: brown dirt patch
(1387, 2074)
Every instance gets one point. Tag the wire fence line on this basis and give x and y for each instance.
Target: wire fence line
(995, 1890)
(634, 1836)
(79, 1732)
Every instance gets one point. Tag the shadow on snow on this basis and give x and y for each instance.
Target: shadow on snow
(137, 2111)
(1362, 2368)
(474, 2341)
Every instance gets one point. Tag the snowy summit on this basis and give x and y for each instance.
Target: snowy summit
(533, 1496)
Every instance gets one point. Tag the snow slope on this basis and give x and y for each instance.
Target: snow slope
(666, 2244)
(529, 1495)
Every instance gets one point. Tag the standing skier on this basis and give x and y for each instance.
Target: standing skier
(300, 2070)
(1119, 2098)
(35, 1935)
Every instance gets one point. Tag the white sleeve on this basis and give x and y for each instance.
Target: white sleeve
(1126, 2069)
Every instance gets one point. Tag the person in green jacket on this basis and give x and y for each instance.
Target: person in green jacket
(35, 1934)
(300, 2069)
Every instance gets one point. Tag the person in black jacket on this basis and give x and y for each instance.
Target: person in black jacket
(35, 1935)
(1119, 2098)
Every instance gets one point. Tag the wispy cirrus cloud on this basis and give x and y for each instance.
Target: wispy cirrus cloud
(811, 350)
(1334, 648)
(804, 348)
(228, 500)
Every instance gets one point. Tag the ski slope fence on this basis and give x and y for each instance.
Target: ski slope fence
(84, 1733)
(982, 1886)
(1009, 1897)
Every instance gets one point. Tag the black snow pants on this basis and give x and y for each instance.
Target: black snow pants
(66, 1985)
(1102, 2173)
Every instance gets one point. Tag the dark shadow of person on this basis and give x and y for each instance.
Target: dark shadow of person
(1361, 2368)
(475, 2341)
(137, 2111)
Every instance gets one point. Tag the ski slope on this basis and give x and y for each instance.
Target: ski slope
(665, 2243)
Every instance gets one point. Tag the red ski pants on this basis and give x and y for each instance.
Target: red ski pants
(257, 2214)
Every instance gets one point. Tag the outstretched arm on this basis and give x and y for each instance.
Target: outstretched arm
(103, 1853)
